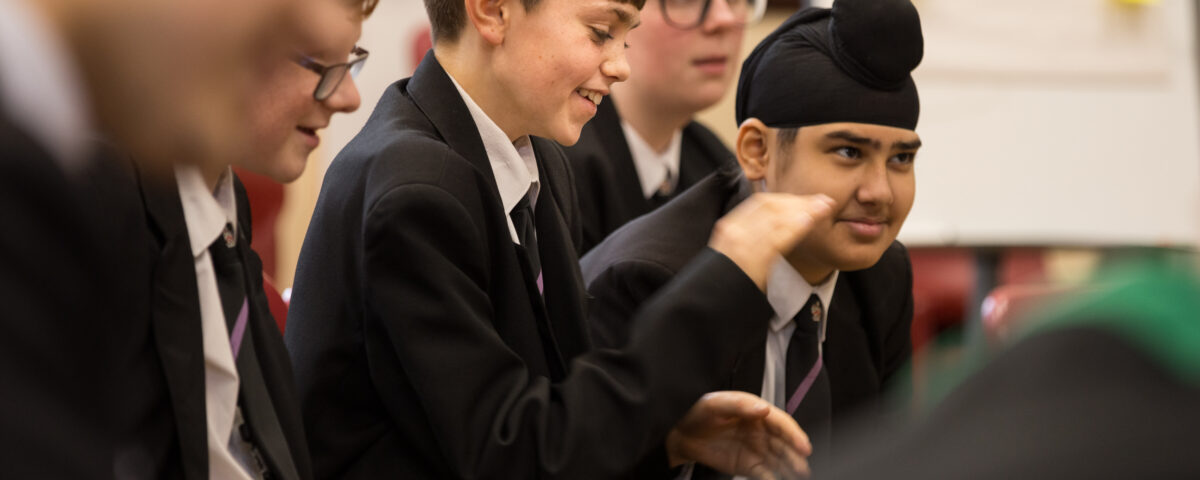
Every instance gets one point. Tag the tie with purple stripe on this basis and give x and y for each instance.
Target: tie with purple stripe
(227, 267)
(807, 383)
(231, 284)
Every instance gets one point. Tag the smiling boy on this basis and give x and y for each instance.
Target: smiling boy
(826, 105)
(230, 397)
(437, 321)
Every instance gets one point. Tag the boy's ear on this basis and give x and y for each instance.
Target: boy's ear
(491, 18)
(753, 145)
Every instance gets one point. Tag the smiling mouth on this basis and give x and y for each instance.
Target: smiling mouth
(867, 221)
(866, 228)
(710, 61)
(592, 95)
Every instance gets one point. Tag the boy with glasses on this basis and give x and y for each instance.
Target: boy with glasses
(290, 115)
(437, 319)
(168, 82)
(231, 386)
(643, 147)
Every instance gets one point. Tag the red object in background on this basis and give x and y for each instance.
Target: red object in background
(421, 43)
(1022, 266)
(266, 200)
(944, 281)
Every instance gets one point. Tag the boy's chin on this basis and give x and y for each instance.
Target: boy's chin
(286, 167)
(567, 136)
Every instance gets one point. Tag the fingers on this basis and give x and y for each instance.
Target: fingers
(791, 463)
(781, 425)
(778, 460)
(733, 405)
(792, 217)
(765, 226)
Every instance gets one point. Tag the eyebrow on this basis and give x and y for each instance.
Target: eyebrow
(624, 17)
(852, 138)
(848, 136)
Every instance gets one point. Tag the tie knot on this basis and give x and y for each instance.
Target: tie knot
(813, 310)
(223, 250)
(668, 184)
(227, 238)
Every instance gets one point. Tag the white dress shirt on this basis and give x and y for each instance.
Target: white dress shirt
(206, 214)
(787, 292)
(40, 88)
(513, 163)
(654, 168)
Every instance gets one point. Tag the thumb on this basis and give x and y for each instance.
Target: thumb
(737, 405)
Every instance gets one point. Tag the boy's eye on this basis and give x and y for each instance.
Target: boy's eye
(904, 158)
(847, 152)
(600, 36)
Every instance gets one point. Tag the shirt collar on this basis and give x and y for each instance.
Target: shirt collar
(40, 86)
(653, 167)
(205, 212)
(513, 163)
(787, 292)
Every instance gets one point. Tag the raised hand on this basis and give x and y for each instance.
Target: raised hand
(766, 225)
(739, 433)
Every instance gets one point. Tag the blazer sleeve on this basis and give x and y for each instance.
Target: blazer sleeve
(617, 292)
(490, 416)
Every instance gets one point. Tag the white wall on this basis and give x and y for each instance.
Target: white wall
(1072, 122)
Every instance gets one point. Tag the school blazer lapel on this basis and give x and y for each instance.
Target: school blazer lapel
(565, 292)
(175, 308)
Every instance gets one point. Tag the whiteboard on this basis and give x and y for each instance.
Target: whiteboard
(1071, 122)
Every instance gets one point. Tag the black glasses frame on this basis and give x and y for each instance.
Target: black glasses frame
(332, 75)
(756, 14)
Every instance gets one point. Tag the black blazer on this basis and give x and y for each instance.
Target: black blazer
(867, 340)
(421, 345)
(68, 330)
(179, 340)
(610, 193)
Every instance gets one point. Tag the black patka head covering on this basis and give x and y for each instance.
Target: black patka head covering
(851, 63)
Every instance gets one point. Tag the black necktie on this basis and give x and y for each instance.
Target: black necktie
(807, 385)
(227, 266)
(254, 406)
(522, 217)
(663, 194)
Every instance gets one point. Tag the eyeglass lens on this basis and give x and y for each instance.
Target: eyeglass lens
(691, 13)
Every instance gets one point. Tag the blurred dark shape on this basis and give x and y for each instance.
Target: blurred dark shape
(168, 82)
(1103, 384)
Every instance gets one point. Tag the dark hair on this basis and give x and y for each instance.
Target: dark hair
(447, 17)
(785, 138)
